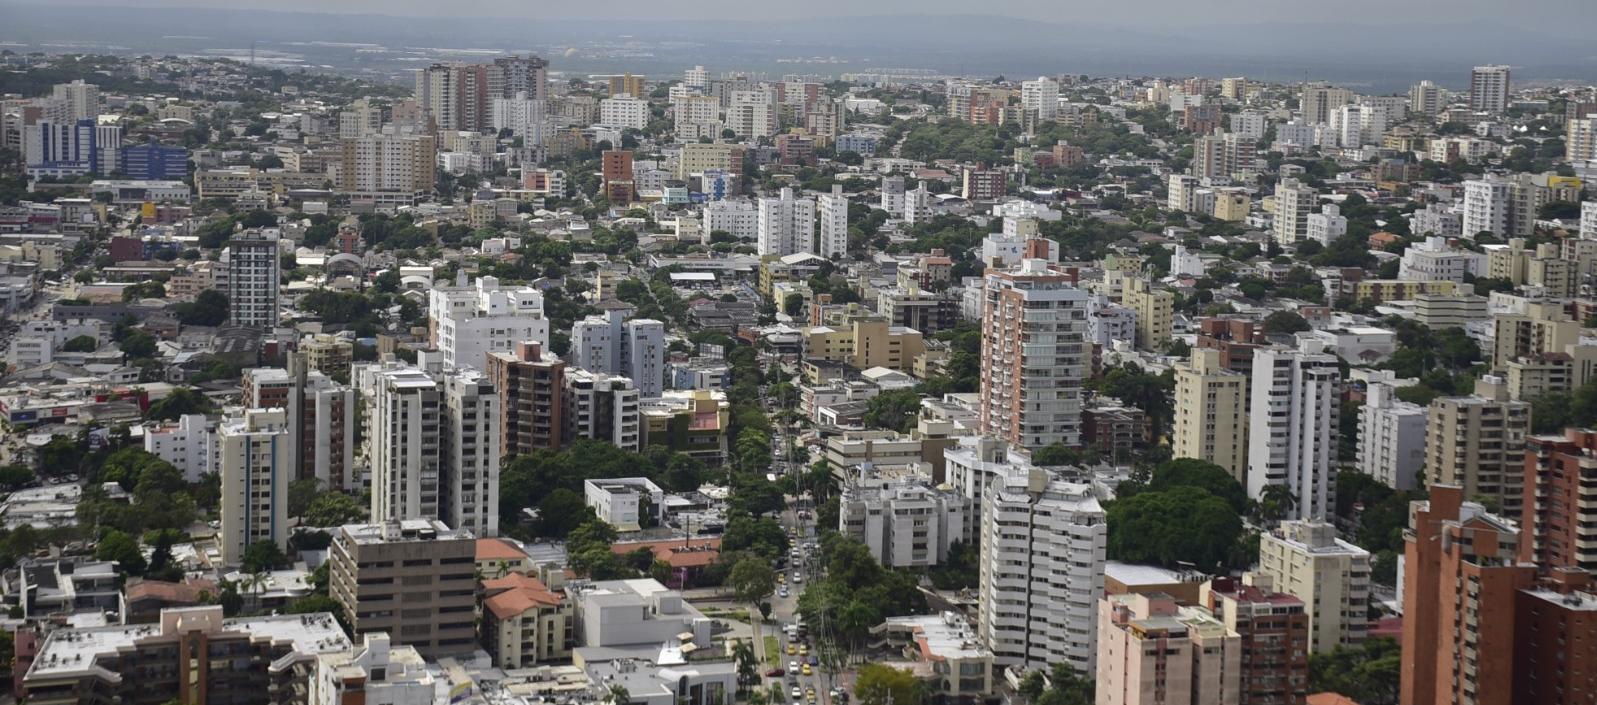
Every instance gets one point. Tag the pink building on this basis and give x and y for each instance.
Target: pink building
(1152, 651)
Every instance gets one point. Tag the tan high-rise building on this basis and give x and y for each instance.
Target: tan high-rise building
(1305, 559)
(1212, 413)
(1152, 651)
(1034, 347)
(1478, 443)
(1320, 100)
(257, 454)
(1543, 328)
(530, 383)
(627, 84)
(391, 167)
(1155, 309)
(415, 580)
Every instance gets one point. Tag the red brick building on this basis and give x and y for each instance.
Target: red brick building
(1558, 526)
(1275, 639)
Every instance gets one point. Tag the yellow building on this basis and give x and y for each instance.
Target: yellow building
(526, 620)
(865, 343)
(795, 267)
(328, 354)
(1543, 328)
(1155, 308)
(1305, 559)
(1378, 290)
(691, 421)
(1212, 413)
(1232, 206)
(628, 84)
(698, 158)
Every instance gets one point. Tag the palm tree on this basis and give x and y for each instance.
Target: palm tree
(618, 695)
(743, 652)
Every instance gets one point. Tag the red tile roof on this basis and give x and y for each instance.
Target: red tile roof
(678, 553)
(516, 593)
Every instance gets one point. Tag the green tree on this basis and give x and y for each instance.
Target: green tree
(752, 579)
(877, 684)
(209, 308)
(82, 343)
(895, 410)
(1369, 673)
(301, 493)
(333, 509)
(1285, 323)
(264, 556)
(561, 512)
(1169, 527)
(137, 345)
(123, 549)
(14, 476)
(181, 401)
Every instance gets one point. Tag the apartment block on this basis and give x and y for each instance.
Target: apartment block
(1477, 443)
(864, 342)
(1155, 310)
(1305, 559)
(469, 488)
(1294, 403)
(1274, 634)
(257, 452)
(530, 382)
(1391, 446)
(1211, 405)
(254, 266)
(526, 622)
(1558, 525)
(1033, 346)
(1152, 651)
(904, 521)
(1294, 201)
(1045, 542)
(601, 407)
(414, 580)
(471, 319)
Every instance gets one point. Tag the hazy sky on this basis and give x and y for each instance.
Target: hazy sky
(1562, 17)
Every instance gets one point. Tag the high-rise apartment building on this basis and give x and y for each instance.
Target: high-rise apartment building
(786, 225)
(76, 100)
(525, 117)
(1034, 349)
(1486, 206)
(1223, 156)
(470, 320)
(1292, 424)
(1155, 309)
(1580, 139)
(530, 382)
(1294, 201)
(393, 167)
(257, 454)
(404, 417)
(614, 343)
(1391, 444)
(1152, 651)
(1460, 580)
(1041, 96)
(1045, 542)
(1359, 124)
(1488, 89)
(321, 419)
(1305, 559)
(1274, 633)
(1211, 408)
(832, 241)
(627, 84)
(624, 112)
(469, 489)
(509, 76)
(752, 114)
(1319, 99)
(1426, 98)
(697, 78)
(602, 407)
(1327, 226)
(1477, 443)
(414, 580)
(1540, 328)
(892, 199)
(1558, 526)
(254, 271)
(455, 96)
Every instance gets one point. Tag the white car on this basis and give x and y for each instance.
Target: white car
(798, 577)
(797, 694)
(782, 592)
(792, 667)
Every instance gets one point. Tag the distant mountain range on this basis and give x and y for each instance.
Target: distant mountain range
(1378, 58)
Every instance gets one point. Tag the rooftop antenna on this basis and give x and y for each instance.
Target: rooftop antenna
(252, 53)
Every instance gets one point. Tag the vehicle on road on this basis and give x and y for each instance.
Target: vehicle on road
(775, 673)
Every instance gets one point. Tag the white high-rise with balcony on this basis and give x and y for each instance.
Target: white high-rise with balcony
(1488, 89)
(1034, 347)
(1487, 204)
(1041, 95)
(1292, 424)
(1044, 543)
(833, 207)
(471, 453)
(257, 463)
(1391, 438)
(471, 320)
(786, 225)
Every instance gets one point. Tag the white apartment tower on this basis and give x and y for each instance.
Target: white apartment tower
(786, 225)
(1391, 438)
(624, 111)
(471, 320)
(470, 445)
(602, 407)
(696, 78)
(833, 209)
(404, 417)
(1487, 203)
(1044, 543)
(254, 269)
(1488, 89)
(524, 116)
(1426, 98)
(1294, 201)
(1034, 347)
(257, 463)
(893, 195)
(1292, 424)
(612, 344)
(1042, 96)
(1326, 226)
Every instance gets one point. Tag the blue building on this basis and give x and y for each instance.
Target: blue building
(62, 149)
(154, 162)
(863, 145)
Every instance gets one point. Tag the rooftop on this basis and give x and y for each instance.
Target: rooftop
(406, 530)
(68, 651)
